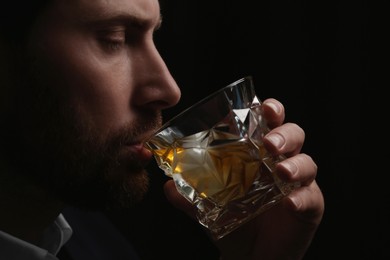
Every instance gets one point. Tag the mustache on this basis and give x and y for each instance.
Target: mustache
(138, 130)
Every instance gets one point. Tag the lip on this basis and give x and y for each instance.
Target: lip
(140, 152)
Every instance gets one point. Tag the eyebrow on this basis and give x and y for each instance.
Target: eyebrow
(122, 18)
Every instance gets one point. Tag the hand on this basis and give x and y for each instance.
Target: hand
(286, 230)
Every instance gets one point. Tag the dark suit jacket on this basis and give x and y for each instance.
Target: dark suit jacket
(94, 238)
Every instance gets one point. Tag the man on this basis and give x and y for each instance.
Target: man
(82, 86)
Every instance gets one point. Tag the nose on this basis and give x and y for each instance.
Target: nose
(155, 86)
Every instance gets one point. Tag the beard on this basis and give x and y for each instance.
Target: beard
(47, 142)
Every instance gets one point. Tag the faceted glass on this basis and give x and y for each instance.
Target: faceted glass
(215, 155)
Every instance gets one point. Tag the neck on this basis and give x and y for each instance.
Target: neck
(26, 210)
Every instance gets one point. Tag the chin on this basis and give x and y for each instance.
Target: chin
(116, 193)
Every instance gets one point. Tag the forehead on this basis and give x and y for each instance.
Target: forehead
(80, 10)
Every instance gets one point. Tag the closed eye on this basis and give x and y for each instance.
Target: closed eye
(112, 40)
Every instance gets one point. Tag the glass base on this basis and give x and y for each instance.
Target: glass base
(220, 219)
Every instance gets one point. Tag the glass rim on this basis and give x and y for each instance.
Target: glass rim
(201, 101)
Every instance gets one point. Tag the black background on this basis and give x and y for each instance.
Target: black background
(326, 61)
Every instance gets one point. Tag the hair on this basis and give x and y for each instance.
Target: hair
(17, 18)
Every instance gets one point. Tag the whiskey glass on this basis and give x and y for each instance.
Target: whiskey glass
(215, 154)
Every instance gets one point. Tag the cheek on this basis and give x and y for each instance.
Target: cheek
(98, 88)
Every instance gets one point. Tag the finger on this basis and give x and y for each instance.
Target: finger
(177, 200)
(286, 139)
(273, 112)
(308, 202)
(299, 168)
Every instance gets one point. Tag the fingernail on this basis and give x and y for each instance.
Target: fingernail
(296, 203)
(274, 107)
(277, 140)
(291, 167)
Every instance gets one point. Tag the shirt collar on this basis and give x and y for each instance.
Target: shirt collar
(55, 236)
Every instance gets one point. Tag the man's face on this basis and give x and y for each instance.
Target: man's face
(92, 88)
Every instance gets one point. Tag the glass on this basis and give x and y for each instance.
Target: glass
(214, 152)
